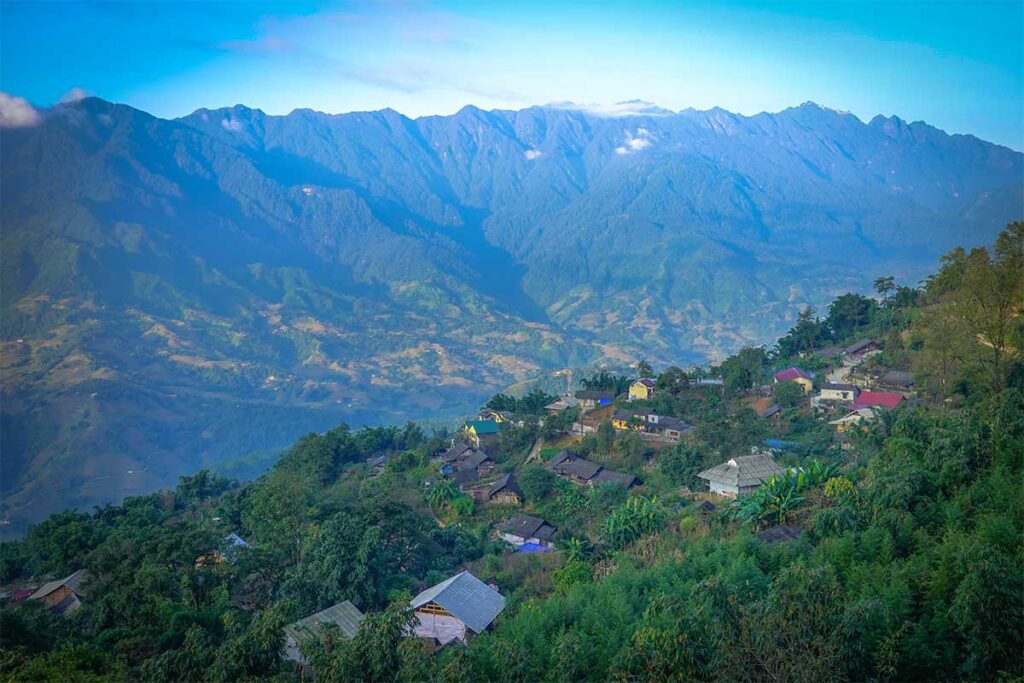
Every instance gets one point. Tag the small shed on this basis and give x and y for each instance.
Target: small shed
(345, 616)
(779, 534)
(505, 491)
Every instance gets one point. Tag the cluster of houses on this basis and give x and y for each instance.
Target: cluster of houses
(858, 399)
(646, 421)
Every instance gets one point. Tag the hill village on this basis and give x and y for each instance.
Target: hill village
(480, 473)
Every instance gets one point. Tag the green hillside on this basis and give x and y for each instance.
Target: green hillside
(178, 293)
(890, 550)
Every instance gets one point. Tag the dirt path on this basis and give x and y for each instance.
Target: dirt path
(535, 451)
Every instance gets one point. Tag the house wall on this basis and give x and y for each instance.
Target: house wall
(445, 628)
(837, 395)
(56, 596)
(805, 384)
(505, 498)
(724, 489)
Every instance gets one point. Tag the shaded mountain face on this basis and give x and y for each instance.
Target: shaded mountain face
(177, 293)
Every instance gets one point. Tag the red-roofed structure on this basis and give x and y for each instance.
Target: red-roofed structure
(878, 399)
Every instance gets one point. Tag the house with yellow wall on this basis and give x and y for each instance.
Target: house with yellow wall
(642, 389)
(804, 378)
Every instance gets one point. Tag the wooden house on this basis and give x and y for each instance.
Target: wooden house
(641, 390)
(858, 351)
(63, 596)
(344, 616)
(520, 529)
(455, 609)
(804, 378)
(505, 491)
(561, 404)
(584, 472)
(740, 475)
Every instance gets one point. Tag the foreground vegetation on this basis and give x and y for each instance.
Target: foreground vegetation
(909, 566)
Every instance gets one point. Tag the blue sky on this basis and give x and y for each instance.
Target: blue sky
(957, 66)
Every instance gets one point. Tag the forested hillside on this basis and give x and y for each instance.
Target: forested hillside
(181, 292)
(902, 559)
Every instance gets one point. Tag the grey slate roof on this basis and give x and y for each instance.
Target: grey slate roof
(527, 526)
(747, 470)
(469, 599)
(474, 460)
(584, 469)
(595, 395)
(72, 582)
(505, 481)
(560, 457)
(666, 422)
(897, 378)
(611, 477)
(773, 409)
(834, 386)
(465, 476)
(829, 352)
(344, 615)
(455, 452)
(859, 346)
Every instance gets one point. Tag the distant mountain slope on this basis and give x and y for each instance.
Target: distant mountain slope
(179, 292)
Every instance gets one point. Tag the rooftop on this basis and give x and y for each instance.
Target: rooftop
(344, 615)
(469, 600)
(743, 471)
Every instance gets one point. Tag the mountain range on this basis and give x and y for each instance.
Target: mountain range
(179, 293)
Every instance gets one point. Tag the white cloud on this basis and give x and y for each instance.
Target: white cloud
(233, 125)
(74, 95)
(641, 139)
(16, 112)
(532, 154)
(616, 110)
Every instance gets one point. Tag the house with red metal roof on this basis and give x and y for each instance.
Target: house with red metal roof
(889, 400)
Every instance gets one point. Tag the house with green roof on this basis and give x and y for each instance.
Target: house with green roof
(478, 432)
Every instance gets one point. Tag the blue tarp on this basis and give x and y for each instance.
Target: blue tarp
(778, 443)
(533, 548)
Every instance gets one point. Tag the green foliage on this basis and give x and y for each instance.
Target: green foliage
(681, 464)
(787, 394)
(636, 517)
(537, 481)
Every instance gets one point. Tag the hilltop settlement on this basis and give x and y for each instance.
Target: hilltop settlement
(845, 505)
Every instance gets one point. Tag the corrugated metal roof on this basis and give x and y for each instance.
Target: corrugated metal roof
(469, 599)
(72, 582)
(747, 470)
(344, 615)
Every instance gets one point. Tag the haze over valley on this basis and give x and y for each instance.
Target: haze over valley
(181, 293)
